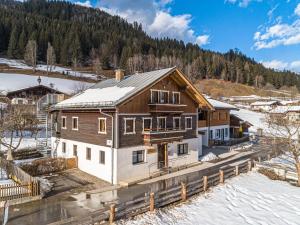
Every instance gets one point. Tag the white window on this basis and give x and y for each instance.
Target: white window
(102, 157)
(182, 149)
(64, 122)
(226, 132)
(176, 97)
(161, 123)
(88, 153)
(217, 133)
(188, 123)
(138, 157)
(102, 125)
(154, 96)
(74, 123)
(176, 123)
(129, 126)
(147, 124)
(64, 147)
(164, 97)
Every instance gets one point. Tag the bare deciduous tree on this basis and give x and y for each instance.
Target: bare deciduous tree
(51, 58)
(79, 87)
(285, 129)
(30, 54)
(13, 125)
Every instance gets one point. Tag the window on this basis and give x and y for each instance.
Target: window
(226, 132)
(176, 123)
(161, 123)
(102, 157)
(129, 126)
(147, 124)
(64, 147)
(182, 149)
(64, 122)
(217, 133)
(176, 97)
(164, 97)
(154, 96)
(211, 134)
(138, 156)
(74, 123)
(102, 125)
(88, 154)
(74, 150)
(188, 123)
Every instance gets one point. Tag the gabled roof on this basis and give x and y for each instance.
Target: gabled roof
(221, 105)
(261, 103)
(110, 93)
(32, 87)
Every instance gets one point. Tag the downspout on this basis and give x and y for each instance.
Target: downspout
(112, 144)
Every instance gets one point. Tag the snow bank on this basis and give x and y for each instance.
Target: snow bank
(209, 157)
(11, 82)
(247, 199)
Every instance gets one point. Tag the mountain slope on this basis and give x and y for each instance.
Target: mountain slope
(86, 36)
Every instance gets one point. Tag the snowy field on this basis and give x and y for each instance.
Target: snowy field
(10, 82)
(27, 142)
(19, 64)
(249, 199)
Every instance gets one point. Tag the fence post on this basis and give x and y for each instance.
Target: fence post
(205, 183)
(222, 176)
(237, 172)
(151, 202)
(249, 165)
(183, 191)
(112, 213)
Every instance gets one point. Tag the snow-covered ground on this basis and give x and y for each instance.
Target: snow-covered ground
(19, 64)
(11, 82)
(247, 199)
(27, 142)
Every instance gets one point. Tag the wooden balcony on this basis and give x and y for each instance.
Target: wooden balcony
(167, 107)
(163, 136)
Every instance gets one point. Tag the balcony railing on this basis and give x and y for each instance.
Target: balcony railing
(166, 107)
(154, 136)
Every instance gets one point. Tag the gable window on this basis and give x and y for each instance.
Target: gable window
(188, 123)
(63, 147)
(64, 122)
(164, 97)
(129, 125)
(176, 97)
(161, 123)
(74, 150)
(88, 153)
(74, 123)
(182, 149)
(102, 157)
(176, 123)
(154, 96)
(147, 124)
(138, 156)
(102, 125)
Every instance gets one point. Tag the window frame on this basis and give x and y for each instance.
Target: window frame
(75, 150)
(64, 118)
(173, 94)
(137, 157)
(102, 157)
(125, 125)
(102, 132)
(157, 125)
(186, 118)
(184, 151)
(175, 118)
(90, 153)
(147, 118)
(75, 117)
(64, 147)
(160, 96)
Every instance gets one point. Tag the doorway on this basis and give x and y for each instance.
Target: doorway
(162, 156)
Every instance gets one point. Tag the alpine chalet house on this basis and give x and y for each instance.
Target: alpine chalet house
(129, 128)
(214, 125)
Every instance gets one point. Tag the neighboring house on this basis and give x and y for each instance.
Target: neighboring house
(290, 102)
(291, 112)
(238, 127)
(214, 125)
(129, 128)
(264, 106)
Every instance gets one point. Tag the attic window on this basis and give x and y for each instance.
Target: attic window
(176, 97)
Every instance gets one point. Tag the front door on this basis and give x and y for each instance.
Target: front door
(162, 155)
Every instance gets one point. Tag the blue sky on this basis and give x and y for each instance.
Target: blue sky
(267, 30)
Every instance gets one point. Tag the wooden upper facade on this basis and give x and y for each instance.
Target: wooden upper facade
(217, 117)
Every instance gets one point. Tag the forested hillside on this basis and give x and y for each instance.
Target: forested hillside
(85, 36)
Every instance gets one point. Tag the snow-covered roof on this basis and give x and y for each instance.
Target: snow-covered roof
(287, 102)
(110, 92)
(220, 105)
(285, 109)
(262, 103)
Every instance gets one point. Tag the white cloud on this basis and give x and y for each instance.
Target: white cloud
(242, 3)
(297, 10)
(155, 18)
(281, 65)
(85, 4)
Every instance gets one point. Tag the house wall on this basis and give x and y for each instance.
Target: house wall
(205, 138)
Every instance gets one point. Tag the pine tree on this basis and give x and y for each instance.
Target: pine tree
(12, 51)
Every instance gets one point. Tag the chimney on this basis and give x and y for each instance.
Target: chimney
(119, 73)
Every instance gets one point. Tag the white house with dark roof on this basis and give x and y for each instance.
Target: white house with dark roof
(264, 105)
